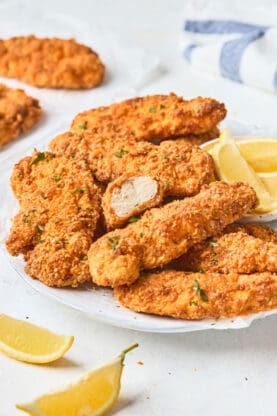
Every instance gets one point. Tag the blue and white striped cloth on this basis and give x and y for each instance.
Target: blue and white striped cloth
(243, 52)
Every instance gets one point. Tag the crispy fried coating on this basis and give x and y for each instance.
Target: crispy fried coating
(232, 251)
(50, 62)
(201, 138)
(18, 113)
(200, 296)
(57, 221)
(163, 234)
(264, 232)
(180, 167)
(155, 117)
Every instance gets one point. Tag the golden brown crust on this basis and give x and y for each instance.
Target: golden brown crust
(200, 296)
(232, 251)
(155, 117)
(163, 234)
(50, 62)
(56, 224)
(180, 167)
(18, 113)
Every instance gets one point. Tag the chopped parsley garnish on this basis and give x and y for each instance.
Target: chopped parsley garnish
(194, 303)
(206, 212)
(43, 195)
(213, 261)
(133, 219)
(40, 241)
(141, 235)
(83, 126)
(152, 110)
(165, 156)
(121, 153)
(199, 270)
(213, 243)
(179, 157)
(57, 178)
(78, 191)
(200, 291)
(162, 107)
(167, 184)
(164, 286)
(40, 156)
(40, 228)
(83, 257)
(113, 242)
(197, 109)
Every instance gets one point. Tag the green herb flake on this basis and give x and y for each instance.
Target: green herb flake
(213, 243)
(199, 270)
(43, 195)
(40, 156)
(40, 228)
(165, 156)
(166, 184)
(121, 153)
(56, 178)
(113, 242)
(197, 109)
(84, 258)
(164, 286)
(39, 241)
(78, 191)
(213, 261)
(152, 110)
(133, 219)
(238, 286)
(179, 157)
(200, 291)
(206, 212)
(194, 303)
(83, 126)
(141, 235)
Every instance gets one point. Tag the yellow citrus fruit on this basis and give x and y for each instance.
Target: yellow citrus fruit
(26, 342)
(260, 153)
(93, 395)
(231, 166)
(270, 182)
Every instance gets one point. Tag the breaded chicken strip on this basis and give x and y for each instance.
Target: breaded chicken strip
(200, 296)
(18, 113)
(56, 224)
(232, 251)
(50, 62)
(263, 232)
(155, 117)
(180, 167)
(163, 234)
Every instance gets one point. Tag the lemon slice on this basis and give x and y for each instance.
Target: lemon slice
(260, 153)
(26, 342)
(93, 395)
(270, 182)
(231, 166)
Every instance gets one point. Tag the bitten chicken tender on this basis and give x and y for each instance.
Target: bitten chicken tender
(18, 113)
(57, 221)
(50, 62)
(155, 117)
(163, 234)
(180, 167)
(129, 196)
(232, 251)
(200, 296)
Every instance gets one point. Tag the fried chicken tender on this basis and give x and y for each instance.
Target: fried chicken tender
(155, 117)
(200, 296)
(232, 251)
(180, 167)
(50, 62)
(57, 221)
(18, 113)
(163, 234)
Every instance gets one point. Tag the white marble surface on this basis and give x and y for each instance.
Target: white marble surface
(212, 373)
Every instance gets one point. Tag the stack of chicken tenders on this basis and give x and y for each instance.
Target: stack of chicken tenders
(127, 199)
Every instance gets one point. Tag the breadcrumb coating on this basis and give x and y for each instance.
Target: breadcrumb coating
(18, 113)
(50, 62)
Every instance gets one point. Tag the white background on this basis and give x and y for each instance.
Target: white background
(211, 373)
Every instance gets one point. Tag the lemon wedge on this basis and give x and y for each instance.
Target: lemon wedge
(93, 395)
(260, 153)
(26, 342)
(231, 166)
(270, 182)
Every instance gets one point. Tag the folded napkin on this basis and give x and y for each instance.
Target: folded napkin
(233, 41)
